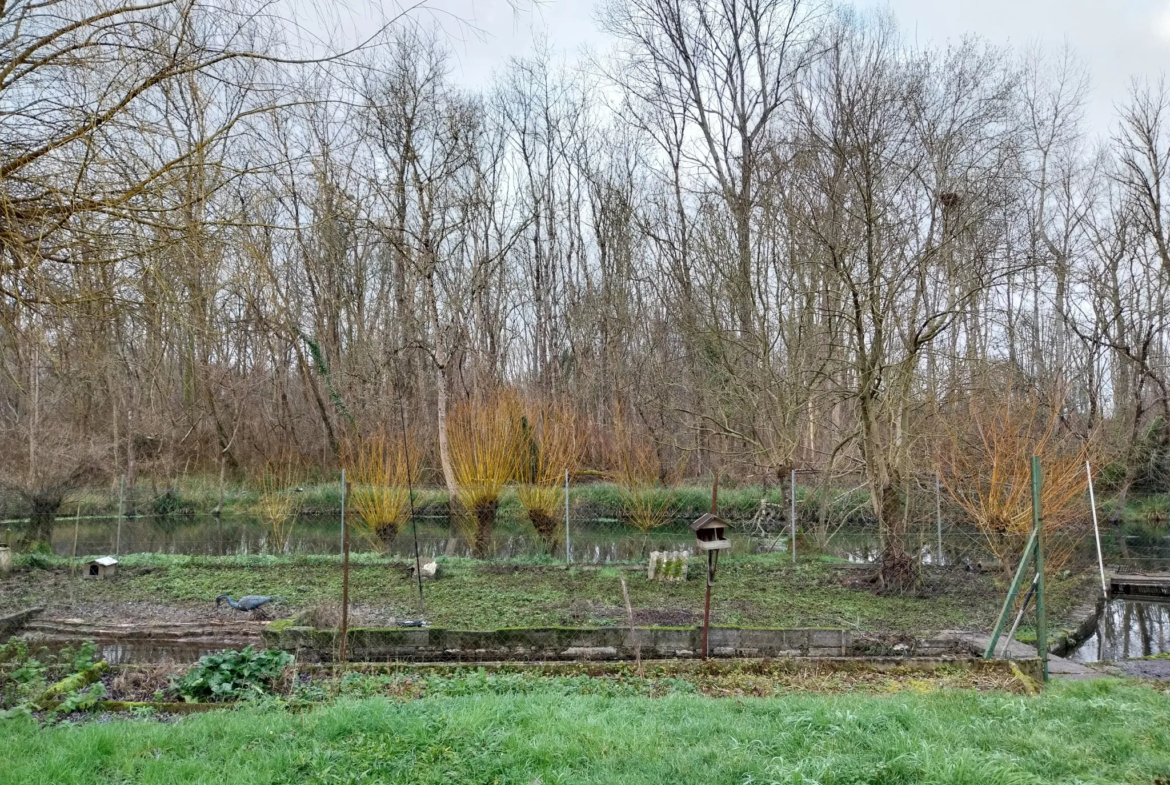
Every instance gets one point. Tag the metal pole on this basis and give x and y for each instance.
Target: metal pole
(1016, 624)
(1038, 528)
(707, 602)
(1096, 531)
(792, 511)
(344, 574)
(1017, 582)
(940, 559)
(121, 501)
(568, 542)
(422, 608)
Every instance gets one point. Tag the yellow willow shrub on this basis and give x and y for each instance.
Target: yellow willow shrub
(279, 503)
(484, 435)
(378, 470)
(986, 465)
(550, 443)
(638, 473)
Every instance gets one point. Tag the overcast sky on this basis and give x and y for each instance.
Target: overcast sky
(1118, 39)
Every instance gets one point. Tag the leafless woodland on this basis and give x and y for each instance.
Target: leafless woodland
(773, 233)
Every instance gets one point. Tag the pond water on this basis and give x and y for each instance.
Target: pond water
(593, 540)
(1127, 629)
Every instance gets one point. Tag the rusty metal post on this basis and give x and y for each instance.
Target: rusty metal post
(707, 604)
(344, 572)
(710, 569)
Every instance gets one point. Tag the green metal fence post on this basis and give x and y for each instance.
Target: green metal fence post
(1017, 582)
(1038, 534)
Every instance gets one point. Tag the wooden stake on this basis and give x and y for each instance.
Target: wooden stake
(633, 634)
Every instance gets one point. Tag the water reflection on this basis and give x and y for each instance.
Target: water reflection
(595, 540)
(1127, 629)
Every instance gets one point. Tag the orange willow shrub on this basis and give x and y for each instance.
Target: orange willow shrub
(550, 443)
(380, 492)
(279, 503)
(638, 473)
(986, 467)
(484, 435)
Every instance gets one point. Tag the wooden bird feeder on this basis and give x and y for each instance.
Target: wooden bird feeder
(710, 533)
(105, 567)
(710, 536)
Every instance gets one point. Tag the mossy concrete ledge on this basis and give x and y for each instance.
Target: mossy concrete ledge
(555, 643)
(12, 623)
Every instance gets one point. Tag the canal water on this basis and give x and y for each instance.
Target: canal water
(593, 540)
(1127, 629)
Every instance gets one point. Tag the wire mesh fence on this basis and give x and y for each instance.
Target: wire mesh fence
(830, 514)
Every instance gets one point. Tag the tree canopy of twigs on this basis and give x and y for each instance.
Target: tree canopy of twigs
(785, 233)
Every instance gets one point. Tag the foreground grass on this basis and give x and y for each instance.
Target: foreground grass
(1095, 732)
(758, 590)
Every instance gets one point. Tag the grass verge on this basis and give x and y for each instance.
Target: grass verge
(1094, 732)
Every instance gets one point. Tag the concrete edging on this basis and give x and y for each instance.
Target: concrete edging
(435, 644)
(12, 623)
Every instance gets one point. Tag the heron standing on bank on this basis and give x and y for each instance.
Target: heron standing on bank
(250, 602)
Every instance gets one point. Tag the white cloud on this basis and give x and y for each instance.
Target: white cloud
(1162, 24)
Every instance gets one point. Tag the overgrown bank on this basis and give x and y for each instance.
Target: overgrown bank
(759, 590)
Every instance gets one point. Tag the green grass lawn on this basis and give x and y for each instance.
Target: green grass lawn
(1092, 732)
(762, 590)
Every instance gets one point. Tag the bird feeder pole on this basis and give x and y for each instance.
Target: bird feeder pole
(711, 556)
(344, 573)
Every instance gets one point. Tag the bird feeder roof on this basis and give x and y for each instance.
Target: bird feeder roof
(105, 561)
(708, 521)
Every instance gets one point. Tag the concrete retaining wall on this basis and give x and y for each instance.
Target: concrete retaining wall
(12, 624)
(556, 643)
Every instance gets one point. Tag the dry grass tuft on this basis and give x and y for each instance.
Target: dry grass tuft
(322, 616)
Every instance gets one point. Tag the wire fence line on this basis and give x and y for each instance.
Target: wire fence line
(833, 516)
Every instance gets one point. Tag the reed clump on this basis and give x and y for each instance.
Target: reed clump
(550, 445)
(279, 503)
(641, 476)
(985, 466)
(484, 434)
(380, 470)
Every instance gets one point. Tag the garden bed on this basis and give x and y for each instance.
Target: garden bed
(765, 590)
